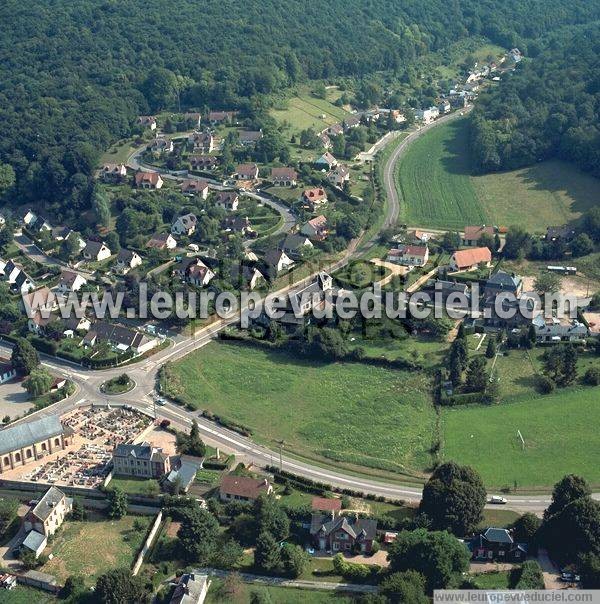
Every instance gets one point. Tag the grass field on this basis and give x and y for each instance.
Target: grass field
(136, 486)
(26, 595)
(91, 548)
(306, 111)
(556, 430)
(339, 409)
(438, 188)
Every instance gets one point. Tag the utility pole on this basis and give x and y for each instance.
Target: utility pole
(281, 443)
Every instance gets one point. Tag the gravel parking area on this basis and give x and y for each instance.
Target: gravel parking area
(14, 400)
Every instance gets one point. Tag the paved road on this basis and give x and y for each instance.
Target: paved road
(144, 373)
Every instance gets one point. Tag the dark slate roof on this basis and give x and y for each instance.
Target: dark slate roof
(25, 434)
(498, 535)
(361, 527)
(186, 473)
(503, 279)
(48, 502)
(140, 451)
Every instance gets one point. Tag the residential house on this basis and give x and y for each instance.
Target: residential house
(564, 233)
(7, 371)
(203, 162)
(35, 542)
(313, 198)
(221, 117)
(497, 544)
(194, 271)
(554, 330)
(243, 488)
(351, 122)
(122, 338)
(305, 300)
(330, 505)
(508, 313)
(29, 218)
(444, 107)
(25, 442)
(473, 234)
(427, 115)
(339, 176)
(184, 225)
(42, 300)
(295, 244)
(467, 260)
(503, 282)
(246, 277)
(70, 281)
(162, 145)
(63, 233)
(162, 241)
(40, 225)
(228, 200)
(284, 177)
(277, 261)
(48, 514)
(183, 474)
(127, 260)
(409, 255)
(148, 180)
(193, 118)
(325, 140)
(326, 161)
(74, 325)
(195, 187)
(18, 280)
(38, 322)
(191, 588)
(343, 533)
(417, 237)
(202, 142)
(96, 251)
(238, 224)
(147, 121)
(335, 130)
(246, 172)
(249, 138)
(140, 461)
(316, 228)
(448, 288)
(515, 54)
(114, 172)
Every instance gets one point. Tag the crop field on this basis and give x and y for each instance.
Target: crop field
(350, 412)
(438, 188)
(555, 428)
(307, 111)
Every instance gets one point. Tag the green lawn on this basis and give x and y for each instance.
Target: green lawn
(136, 486)
(26, 595)
(361, 274)
(439, 189)
(556, 430)
(493, 580)
(93, 547)
(347, 411)
(306, 111)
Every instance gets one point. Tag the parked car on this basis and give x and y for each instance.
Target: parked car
(569, 577)
(497, 499)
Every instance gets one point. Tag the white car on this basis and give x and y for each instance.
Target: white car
(498, 499)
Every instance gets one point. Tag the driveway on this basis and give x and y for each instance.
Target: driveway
(551, 572)
(14, 400)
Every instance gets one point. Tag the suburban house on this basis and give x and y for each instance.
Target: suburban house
(284, 177)
(162, 145)
(313, 198)
(28, 218)
(148, 180)
(325, 140)
(184, 225)
(147, 121)
(141, 461)
(191, 588)
(326, 161)
(127, 260)
(418, 237)
(74, 325)
(554, 330)
(182, 474)
(342, 533)
(246, 277)
(503, 282)
(294, 244)
(202, 142)
(497, 544)
(315, 228)
(221, 117)
(62, 233)
(194, 271)
(48, 514)
(249, 138)
(309, 298)
(95, 251)
(162, 241)
(40, 300)
(238, 224)
(246, 172)
(228, 200)
(38, 322)
(7, 371)
(409, 255)
(203, 162)
(114, 172)
(444, 107)
(467, 260)
(564, 233)
(121, 338)
(339, 176)
(427, 115)
(278, 261)
(473, 234)
(70, 281)
(35, 542)
(335, 130)
(243, 488)
(16, 277)
(351, 122)
(23, 443)
(195, 187)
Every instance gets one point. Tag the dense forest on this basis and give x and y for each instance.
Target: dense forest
(549, 107)
(75, 73)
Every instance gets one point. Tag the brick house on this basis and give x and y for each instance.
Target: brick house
(243, 488)
(497, 544)
(343, 534)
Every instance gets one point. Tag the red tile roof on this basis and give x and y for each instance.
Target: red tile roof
(467, 258)
(473, 233)
(325, 504)
(244, 486)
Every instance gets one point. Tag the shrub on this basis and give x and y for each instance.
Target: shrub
(545, 384)
(592, 376)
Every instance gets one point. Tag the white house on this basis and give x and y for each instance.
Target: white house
(316, 228)
(127, 260)
(409, 255)
(278, 261)
(228, 200)
(70, 281)
(294, 244)
(184, 225)
(7, 371)
(427, 115)
(162, 241)
(195, 187)
(96, 251)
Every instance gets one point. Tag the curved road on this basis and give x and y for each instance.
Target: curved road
(145, 372)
